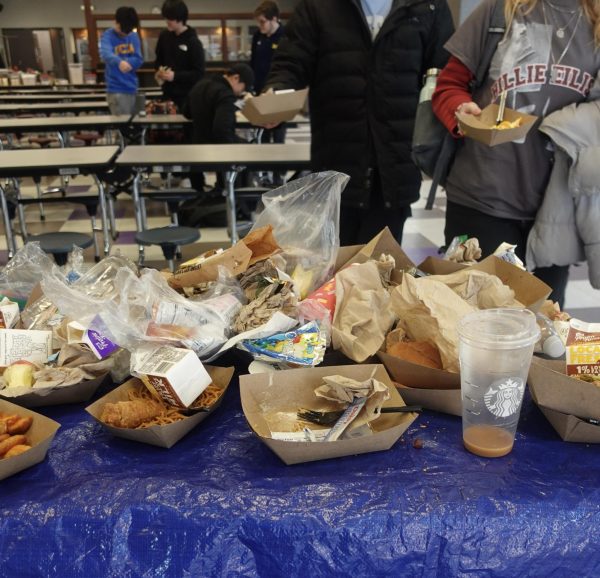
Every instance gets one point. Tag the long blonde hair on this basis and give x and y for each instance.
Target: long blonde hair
(591, 9)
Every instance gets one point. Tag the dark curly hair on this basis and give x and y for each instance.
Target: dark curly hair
(127, 18)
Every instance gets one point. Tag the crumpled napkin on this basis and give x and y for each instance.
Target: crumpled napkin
(345, 390)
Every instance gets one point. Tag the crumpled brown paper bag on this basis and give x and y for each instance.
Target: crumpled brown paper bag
(479, 289)
(362, 315)
(429, 311)
(346, 390)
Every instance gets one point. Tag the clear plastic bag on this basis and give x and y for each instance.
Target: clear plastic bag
(305, 216)
(145, 309)
(23, 272)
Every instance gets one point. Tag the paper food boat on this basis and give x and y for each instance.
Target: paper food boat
(286, 391)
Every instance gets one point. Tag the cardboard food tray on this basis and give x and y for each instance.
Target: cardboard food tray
(274, 107)
(40, 436)
(570, 428)
(77, 393)
(382, 243)
(286, 391)
(552, 389)
(442, 400)
(164, 436)
(529, 290)
(479, 128)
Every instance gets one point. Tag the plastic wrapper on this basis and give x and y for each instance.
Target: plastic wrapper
(305, 218)
(145, 309)
(506, 252)
(23, 272)
(226, 284)
(75, 267)
(304, 346)
(81, 299)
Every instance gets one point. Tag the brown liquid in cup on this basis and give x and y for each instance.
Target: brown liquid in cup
(487, 441)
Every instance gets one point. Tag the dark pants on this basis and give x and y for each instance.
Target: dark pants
(277, 136)
(359, 225)
(491, 231)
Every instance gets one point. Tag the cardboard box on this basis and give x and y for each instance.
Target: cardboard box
(442, 400)
(287, 391)
(275, 107)
(40, 436)
(162, 436)
(480, 128)
(552, 389)
(77, 393)
(571, 428)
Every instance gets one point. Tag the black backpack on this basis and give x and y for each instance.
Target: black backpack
(433, 147)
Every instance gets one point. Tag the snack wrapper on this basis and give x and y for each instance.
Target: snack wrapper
(303, 346)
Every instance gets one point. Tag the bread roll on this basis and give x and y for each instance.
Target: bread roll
(419, 352)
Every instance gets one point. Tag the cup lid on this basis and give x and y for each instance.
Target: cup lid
(502, 328)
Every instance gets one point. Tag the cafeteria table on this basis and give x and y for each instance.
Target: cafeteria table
(53, 107)
(62, 161)
(230, 158)
(49, 98)
(62, 125)
(220, 503)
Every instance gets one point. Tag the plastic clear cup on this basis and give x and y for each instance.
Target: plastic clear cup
(495, 350)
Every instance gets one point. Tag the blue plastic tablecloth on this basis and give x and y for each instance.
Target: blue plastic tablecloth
(219, 503)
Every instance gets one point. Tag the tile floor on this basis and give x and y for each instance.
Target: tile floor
(423, 234)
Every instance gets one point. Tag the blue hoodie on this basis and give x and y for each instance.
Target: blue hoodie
(113, 48)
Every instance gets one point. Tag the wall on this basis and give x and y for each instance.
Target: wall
(67, 14)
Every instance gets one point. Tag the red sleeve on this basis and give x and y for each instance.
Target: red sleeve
(452, 89)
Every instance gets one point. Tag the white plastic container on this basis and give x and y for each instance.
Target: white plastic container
(75, 73)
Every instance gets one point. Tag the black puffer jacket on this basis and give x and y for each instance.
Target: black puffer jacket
(363, 92)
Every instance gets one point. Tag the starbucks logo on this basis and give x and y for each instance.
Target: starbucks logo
(504, 396)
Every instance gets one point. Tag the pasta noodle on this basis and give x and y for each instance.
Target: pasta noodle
(208, 397)
(167, 416)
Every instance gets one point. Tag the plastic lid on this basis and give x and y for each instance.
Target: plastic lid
(553, 346)
(499, 328)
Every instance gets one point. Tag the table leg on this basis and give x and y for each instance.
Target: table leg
(102, 197)
(138, 211)
(230, 177)
(10, 239)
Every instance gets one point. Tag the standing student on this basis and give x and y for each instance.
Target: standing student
(179, 54)
(264, 43)
(364, 62)
(122, 56)
(547, 60)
